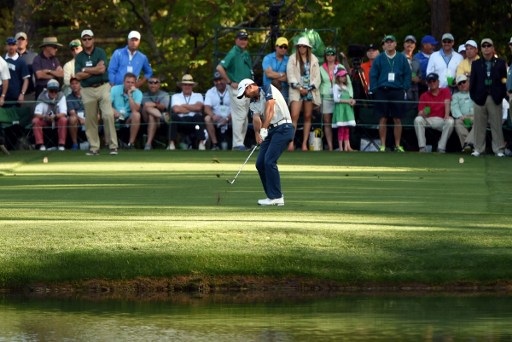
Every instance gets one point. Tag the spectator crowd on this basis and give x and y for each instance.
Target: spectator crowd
(98, 99)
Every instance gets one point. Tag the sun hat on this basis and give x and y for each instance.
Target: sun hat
(303, 41)
(50, 41)
(242, 86)
(187, 79)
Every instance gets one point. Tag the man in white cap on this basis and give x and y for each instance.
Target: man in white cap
(75, 47)
(445, 61)
(464, 67)
(273, 131)
(129, 59)
(91, 70)
(462, 109)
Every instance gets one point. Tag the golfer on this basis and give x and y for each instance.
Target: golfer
(274, 131)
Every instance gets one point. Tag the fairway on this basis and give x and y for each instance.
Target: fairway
(386, 219)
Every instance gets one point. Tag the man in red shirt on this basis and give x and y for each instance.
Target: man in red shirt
(434, 112)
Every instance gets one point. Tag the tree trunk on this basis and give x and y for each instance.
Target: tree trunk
(440, 17)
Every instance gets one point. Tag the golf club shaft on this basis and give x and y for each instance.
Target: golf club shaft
(246, 160)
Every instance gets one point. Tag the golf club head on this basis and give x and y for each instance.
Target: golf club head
(230, 181)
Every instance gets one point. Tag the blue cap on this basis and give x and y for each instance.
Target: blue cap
(428, 40)
(11, 41)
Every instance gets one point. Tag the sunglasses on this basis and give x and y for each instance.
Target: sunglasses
(153, 82)
(283, 46)
(431, 81)
(447, 41)
(486, 45)
(301, 46)
(330, 54)
(53, 91)
(86, 39)
(461, 83)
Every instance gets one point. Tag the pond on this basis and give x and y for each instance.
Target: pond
(355, 317)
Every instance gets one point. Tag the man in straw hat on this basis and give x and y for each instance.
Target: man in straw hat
(187, 117)
(46, 66)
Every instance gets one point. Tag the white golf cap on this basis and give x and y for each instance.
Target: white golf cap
(241, 87)
(87, 33)
(472, 43)
(461, 48)
(134, 34)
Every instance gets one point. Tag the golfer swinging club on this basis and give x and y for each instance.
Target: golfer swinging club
(274, 131)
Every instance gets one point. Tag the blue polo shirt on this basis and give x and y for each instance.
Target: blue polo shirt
(120, 100)
(121, 63)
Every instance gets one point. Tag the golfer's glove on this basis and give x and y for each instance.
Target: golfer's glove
(263, 133)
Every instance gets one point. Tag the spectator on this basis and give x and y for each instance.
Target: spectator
(273, 131)
(155, 105)
(91, 70)
(129, 60)
(509, 78)
(18, 83)
(235, 67)
(464, 67)
(51, 110)
(46, 65)
(327, 75)
(126, 103)
(303, 72)
(343, 117)
(428, 44)
(462, 112)
(371, 54)
(412, 93)
(274, 67)
(69, 68)
(487, 89)
(28, 57)
(5, 76)
(444, 62)
(390, 79)
(462, 50)
(76, 112)
(187, 114)
(217, 110)
(434, 112)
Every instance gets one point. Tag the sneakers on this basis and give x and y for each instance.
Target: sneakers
(61, 148)
(93, 153)
(467, 148)
(475, 154)
(147, 147)
(171, 146)
(399, 148)
(500, 154)
(382, 148)
(201, 146)
(42, 148)
(423, 150)
(267, 202)
(113, 152)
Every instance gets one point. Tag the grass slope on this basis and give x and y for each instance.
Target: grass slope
(358, 218)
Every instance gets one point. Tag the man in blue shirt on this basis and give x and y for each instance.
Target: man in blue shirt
(126, 102)
(274, 67)
(129, 59)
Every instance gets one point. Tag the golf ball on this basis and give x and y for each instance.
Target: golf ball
(45, 160)
(461, 160)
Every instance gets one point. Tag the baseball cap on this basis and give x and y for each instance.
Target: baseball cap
(20, 35)
(75, 43)
(217, 75)
(487, 40)
(53, 85)
(461, 78)
(410, 37)
(10, 41)
(389, 37)
(281, 41)
(372, 47)
(461, 48)
(134, 34)
(87, 33)
(432, 77)
(472, 43)
(428, 39)
(447, 36)
(242, 86)
(330, 50)
(242, 34)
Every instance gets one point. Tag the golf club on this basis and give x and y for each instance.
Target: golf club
(241, 167)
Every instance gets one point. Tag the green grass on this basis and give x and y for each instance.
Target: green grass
(358, 218)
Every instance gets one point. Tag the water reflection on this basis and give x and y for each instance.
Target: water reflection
(345, 318)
